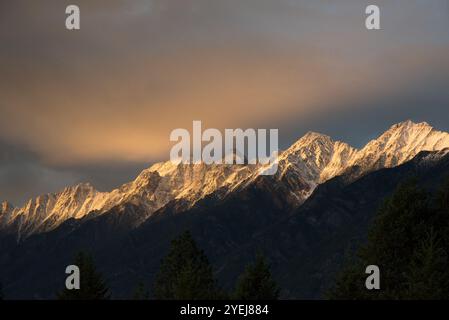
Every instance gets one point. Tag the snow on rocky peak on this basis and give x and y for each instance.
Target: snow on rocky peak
(48, 211)
(399, 144)
(321, 156)
(309, 155)
(5, 206)
(316, 158)
(5, 209)
(152, 189)
(310, 161)
(167, 181)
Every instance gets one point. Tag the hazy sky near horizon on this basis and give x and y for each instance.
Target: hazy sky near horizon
(99, 104)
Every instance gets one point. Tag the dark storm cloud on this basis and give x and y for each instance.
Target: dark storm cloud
(23, 175)
(99, 103)
(360, 121)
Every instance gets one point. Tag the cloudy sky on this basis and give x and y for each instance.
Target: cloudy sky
(99, 104)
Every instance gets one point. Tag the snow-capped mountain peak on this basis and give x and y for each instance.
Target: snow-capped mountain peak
(314, 158)
(311, 160)
(48, 211)
(318, 154)
(6, 207)
(400, 143)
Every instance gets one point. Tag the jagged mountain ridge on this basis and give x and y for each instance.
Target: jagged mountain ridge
(312, 160)
(152, 189)
(399, 144)
(304, 247)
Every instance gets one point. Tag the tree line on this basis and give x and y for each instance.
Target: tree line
(185, 274)
(408, 241)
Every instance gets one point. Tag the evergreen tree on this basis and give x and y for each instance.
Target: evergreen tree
(399, 227)
(92, 285)
(185, 273)
(407, 242)
(427, 277)
(350, 283)
(442, 208)
(256, 283)
(141, 292)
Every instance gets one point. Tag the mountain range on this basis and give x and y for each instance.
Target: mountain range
(313, 159)
(316, 207)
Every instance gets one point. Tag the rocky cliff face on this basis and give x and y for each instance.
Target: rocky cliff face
(310, 161)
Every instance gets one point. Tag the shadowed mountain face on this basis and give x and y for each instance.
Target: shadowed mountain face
(305, 245)
(312, 160)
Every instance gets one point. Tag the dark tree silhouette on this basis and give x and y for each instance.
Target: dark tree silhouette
(256, 283)
(427, 276)
(92, 284)
(141, 292)
(185, 273)
(408, 241)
